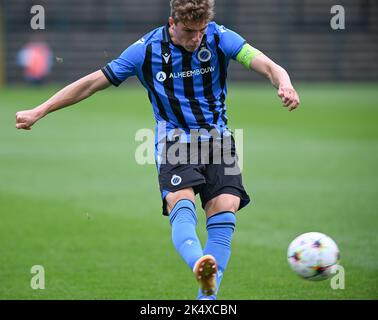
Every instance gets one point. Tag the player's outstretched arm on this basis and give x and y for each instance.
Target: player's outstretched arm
(69, 95)
(279, 78)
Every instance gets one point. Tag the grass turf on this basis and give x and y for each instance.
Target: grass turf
(73, 198)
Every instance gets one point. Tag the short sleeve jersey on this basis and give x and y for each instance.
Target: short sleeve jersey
(187, 90)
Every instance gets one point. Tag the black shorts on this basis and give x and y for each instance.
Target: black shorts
(211, 169)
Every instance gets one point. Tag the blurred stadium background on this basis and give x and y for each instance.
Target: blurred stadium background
(296, 33)
(73, 199)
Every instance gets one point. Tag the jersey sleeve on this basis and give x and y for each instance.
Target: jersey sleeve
(230, 42)
(126, 65)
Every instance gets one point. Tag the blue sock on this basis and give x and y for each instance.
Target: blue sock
(220, 228)
(183, 219)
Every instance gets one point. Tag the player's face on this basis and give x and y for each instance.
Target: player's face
(188, 35)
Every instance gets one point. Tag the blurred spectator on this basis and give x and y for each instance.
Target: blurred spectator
(36, 58)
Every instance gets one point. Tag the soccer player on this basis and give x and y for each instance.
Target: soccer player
(183, 66)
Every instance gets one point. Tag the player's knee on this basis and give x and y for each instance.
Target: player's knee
(173, 197)
(223, 202)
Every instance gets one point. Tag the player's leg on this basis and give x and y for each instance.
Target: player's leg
(221, 197)
(178, 184)
(183, 219)
(221, 220)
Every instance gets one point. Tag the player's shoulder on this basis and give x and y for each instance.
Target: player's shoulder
(214, 28)
(229, 41)
(137, 50)
(151, 37)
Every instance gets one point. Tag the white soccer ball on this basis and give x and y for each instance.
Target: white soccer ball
(313, 256)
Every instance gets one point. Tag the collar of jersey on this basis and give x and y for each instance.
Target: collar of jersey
(167, 39)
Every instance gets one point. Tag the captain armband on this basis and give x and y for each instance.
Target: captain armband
(246, 54)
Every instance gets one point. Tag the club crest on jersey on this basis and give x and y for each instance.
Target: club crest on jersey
(161, 76)
(204, 55)
(176, 180)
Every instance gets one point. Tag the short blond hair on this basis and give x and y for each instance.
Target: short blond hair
(192, 10)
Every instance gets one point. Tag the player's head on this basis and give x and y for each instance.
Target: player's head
(188, 21)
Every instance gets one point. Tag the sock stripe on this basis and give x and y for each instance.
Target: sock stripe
(213, 225)
(178, 202)
(176, 209)
(173, 216)
(217, 214)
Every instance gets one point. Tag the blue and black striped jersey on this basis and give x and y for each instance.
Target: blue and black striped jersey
(187, 89)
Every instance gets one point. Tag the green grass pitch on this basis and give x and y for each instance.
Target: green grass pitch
(74, 200)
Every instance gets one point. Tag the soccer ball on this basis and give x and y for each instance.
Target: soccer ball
(313, 256)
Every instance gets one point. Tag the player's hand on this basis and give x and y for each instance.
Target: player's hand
(289, 97)
(25, 119)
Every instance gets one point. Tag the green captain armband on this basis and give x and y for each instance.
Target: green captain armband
(246, 54)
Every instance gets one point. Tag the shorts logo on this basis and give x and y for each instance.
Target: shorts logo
(204, 55)
(176, 180)
(161, 76)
